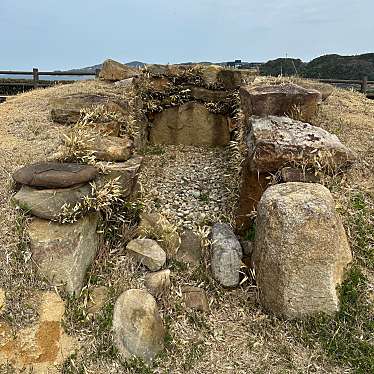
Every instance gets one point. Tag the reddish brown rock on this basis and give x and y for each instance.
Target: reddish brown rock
(195, 298)
(278, 100)
(110, 148)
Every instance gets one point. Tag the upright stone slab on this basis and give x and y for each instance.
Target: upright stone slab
(279, 100)
(190, 124)
(301, 250)
(63, 253)
(226, 255)
(137, 325)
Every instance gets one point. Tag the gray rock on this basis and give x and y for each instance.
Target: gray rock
(247, 248)
(226, 255)
(158, 283)
(301, 250)
(190, 248)
(147, 252)
(54, 174)
(48, 203)
(63, 253)
(137, 325)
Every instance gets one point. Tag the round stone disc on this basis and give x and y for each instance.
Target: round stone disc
(54, 174)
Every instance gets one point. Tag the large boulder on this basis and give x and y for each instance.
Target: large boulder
(226, 255)
(125, 173)
(115, 71)
(274, 142)
(68, 109)
(190, 124)
(301, 250)
(54, 175)
(137, 325)
(278, 100)
(147, 252)
(110, 148)
(49, 203)
(63, 253)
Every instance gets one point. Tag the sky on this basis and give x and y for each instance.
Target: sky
(64, 34)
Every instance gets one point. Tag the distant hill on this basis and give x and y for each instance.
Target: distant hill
(329, 66)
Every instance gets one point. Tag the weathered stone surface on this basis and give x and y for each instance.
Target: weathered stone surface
(147, 252)
(195, 298)
(274, 142)
(291, 174)
(115, 71)
(279, 100)
(158, 283)
(111, 148)
(301, 250)
(190, 124)
(49, 203)
(157, 69)
(67, 109)
(128, 82)
(247, 247)
(108, 128)
(226, 255)
(138, 328)
(63, 253)
(126, 173)
(41, 347)
(190, 248)
(54, 174)
(98, 297)
(157, 226)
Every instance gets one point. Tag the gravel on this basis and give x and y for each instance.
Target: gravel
(191, 186)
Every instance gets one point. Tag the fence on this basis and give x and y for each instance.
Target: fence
(36, 76)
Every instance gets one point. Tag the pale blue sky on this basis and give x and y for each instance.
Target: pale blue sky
(59, 34)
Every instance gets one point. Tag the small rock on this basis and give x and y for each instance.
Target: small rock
(137, 325)
(190, 248)
(54, 174)
(226, 255)
(195, 298)
(247, 248)
(196, 194)
(158, 283)
(128, 82)
(157, 226)
(49, 203)
(98, 297)
(63, 253)
(147, 252)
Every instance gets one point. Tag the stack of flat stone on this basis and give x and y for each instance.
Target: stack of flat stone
(277, 144)
(300, 252)
(63, 252)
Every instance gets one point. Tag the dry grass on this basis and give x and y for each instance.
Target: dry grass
(236, 336)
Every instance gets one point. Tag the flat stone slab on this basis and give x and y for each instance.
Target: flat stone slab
(54, 174)
(275, 142)
(279, 100)
(49, 203)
